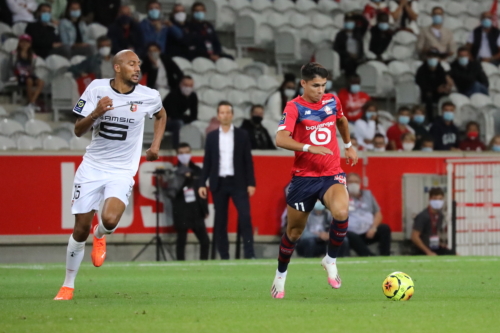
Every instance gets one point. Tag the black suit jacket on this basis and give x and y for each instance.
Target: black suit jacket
(242, 159)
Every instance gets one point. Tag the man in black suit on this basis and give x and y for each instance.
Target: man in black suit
(229, 166)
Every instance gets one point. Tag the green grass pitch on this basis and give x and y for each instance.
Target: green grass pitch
(452, 294)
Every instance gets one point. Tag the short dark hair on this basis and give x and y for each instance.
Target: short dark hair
(67, 11)
(417, 107)
(103, 38)
(222, 103)
(437, 7)
(40, 6)
(188, 77)
(436, 191)
(311, 70)
(382, 16)
(445, 104)
(462, 49)
(378, 135)
(403, 108)
(255, 106)
(183, 145)
(427, 138)
(150, 2)
(148, 45)
(368, 105)
(472, 123)
(196, 4)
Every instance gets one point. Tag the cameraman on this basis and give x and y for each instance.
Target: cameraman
(189, 209)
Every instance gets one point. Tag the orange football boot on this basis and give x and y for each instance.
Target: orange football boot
(98, 250)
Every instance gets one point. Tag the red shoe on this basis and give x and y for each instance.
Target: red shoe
(98, 250)
(64, 294)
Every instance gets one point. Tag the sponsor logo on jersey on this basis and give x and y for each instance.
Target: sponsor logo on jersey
(328, 110)
(341, 179)
(118, 119)
(133, 107)
(136, 102)
(79, 106)
(313, 128)
(283, 119)
(321, 136)
(327, 101)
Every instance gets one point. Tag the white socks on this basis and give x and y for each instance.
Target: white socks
(100, 231)
(74, 257)
(329, 260)
(281, 275)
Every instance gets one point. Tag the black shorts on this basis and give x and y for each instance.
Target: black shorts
(305, 191)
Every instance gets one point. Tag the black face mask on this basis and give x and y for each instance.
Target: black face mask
(257, 120)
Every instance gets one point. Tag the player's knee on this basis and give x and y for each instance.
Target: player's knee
(294, 234)
(81, 231)
(340, 214)
(110, 220)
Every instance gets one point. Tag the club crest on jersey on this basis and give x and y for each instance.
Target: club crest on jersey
(79, 106)
(341, 179)
(328, 110)
(133, 107)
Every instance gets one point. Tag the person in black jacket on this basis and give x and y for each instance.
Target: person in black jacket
(468, 74)
(189, 209)
(443, 130)
(43, 34)
(167, 77)
(179, 47)
(229, 166)
(433, 81)
(125, 33)
(349, 45)
(381, 36)
(102, 12)
(259, 136)
(488, 34)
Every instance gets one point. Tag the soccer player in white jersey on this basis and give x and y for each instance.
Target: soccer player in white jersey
(114, 109)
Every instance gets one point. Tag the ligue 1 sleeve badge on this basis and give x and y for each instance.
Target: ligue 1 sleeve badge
(133, 107)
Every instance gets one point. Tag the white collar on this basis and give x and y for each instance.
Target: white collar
(231, 129)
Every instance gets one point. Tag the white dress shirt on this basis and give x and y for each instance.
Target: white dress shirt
(226, 152)
(367, 130)
(484, 50)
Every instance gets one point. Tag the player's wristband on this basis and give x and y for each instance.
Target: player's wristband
(306, 148)
(347, 145)
(93, 117)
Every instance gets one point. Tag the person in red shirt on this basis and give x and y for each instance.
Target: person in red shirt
(396, 131)
(353, 99)
(373, 8)
(307, 127)
(472, 142)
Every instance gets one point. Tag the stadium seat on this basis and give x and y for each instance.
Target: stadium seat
(202, 125)
(385, 118)
(256, 69)
(57, 64)
(352, 5)
(453, 23)
(20, 115)
(424, 20)
(455, 9)
(260, 5)
(427, 8)
(96, 30)
(306, 6)
(471, 23)
(259, 96)
(322, 21)
(7, 143)
(328, 6)
(77, 143)
(3, 113)
(252, 30)
(206, 112)
(26, 142)
(6, 29)
(407, 93)
(281, 6)
(200, 81)
(76, 59)
(277, 19)
(238, 5)
(212, 97)
(401, 52)
(375, 79)
(184, 64)
(482, 102)
(219, 81)
(203, 65)
(401, 71)
(226, 66)
(287, 48)
(330, 60)
(63, 133)
(64, 94)
(267, 83)
(220, 14)
(405, 38)
(461, 35)
(192, 135)
(238, 98)
(491, 71)
(10, 45)
(54, 143)
(19, 28)
(415, 65)
(11, 128)
(37, 128)
(244, 82)
(271, 126)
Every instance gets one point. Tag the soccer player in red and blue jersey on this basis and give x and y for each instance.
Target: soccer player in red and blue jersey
(308, 128)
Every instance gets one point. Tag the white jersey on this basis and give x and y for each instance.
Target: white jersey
(116, 144)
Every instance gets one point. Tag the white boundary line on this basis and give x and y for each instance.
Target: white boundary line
(250, 263)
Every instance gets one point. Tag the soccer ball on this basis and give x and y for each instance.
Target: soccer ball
(398, 286)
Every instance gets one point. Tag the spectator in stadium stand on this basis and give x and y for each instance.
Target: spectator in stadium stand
(427, 144)
(418, 124)
(125, 33)
(203, 41)
(58, 7)
(155, 29)
(379, 143)
(22, 10)
(396, 131)
(22, 62)
(349, 45)
(484, 41)
(43, 34)
(472, 142)
(443, 130)
(368, 125)
(161, 71)
(276, 103)
(494, 144)
(436, 37)
(258, 134)
(182, 105)
(433, 81)
(189, 209)
(373, 8)
(408, 141)
(381, 36)
(352, 98)
(429, 227)
(178, 47)
(103, 12)
(468, 74)
(73, 30)
(99, 65)
(5, 13)
(365, 220)
(405, 15)
(355, 143)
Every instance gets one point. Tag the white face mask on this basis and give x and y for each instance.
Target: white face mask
(408, 146)
(289, 93)
(105, 51)
(184, 158)
(186, 91)
(354, 189)
(436, 204)
(180, 17)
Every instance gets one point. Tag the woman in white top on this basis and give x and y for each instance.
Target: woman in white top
(367, 126)
(275, 104)
(405, 15)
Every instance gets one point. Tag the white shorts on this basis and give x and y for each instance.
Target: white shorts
(92, 186)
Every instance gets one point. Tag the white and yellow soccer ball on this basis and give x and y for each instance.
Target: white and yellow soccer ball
(398, 286)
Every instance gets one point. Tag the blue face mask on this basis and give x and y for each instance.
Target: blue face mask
(355, 88)
(370, 114)
(75, 13)
(319, 206)
(463, 61)
(349, 25)
(200, 16)
(448, 115)
(419, 118)
(486, 23)
(154, 14)
(329, 85)
(437, 19)
(384, 26)
(45, 17)
(496, 148)
(403, 120)
(432, 62)
(427, 149)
